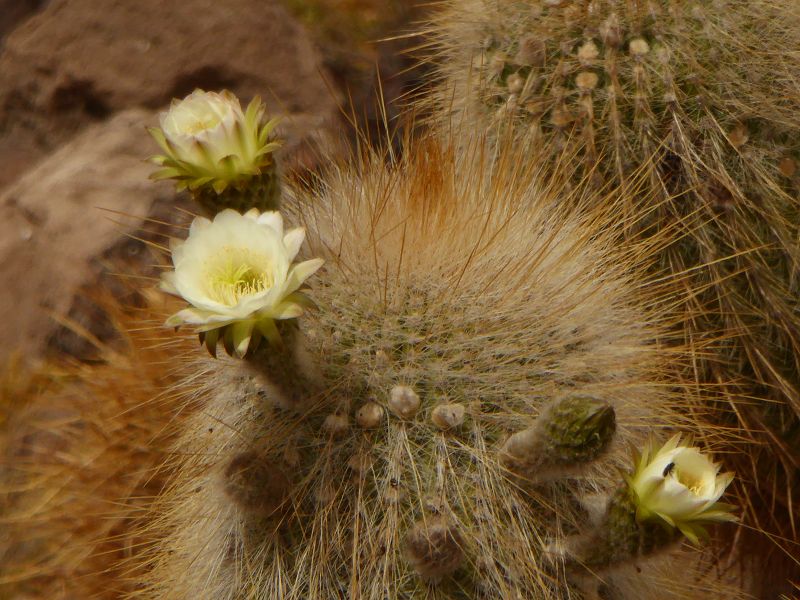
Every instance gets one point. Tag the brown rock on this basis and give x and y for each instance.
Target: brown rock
(14, 11)
(79, 61)
(53, 229)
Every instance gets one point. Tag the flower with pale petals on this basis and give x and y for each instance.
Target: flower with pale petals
(681, 486)
(237, 272)
(209, 141)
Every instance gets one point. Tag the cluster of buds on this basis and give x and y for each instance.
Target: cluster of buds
(236, 271)
(674, 489)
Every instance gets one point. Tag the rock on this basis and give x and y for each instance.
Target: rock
(14, 11)
(75, 62)
(54, 231)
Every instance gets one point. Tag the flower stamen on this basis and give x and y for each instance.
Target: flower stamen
(200, 125)
(229, 286)
(689, 481)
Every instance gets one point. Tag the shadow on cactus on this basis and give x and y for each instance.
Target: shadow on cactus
(478, 361)
(704, 95)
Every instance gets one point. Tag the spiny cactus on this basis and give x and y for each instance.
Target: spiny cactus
(703, 98)
(479, 360)
(81, 450)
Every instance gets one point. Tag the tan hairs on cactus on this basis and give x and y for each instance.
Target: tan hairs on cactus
(462, 302)
(82, 446)
(703, 95)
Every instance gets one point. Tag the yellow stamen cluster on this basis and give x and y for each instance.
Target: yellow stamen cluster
(239, 275)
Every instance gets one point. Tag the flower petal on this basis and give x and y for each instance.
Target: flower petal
(199, 224)
(293, 240)
(273, 219)
(300, 272)
(167, 283)
(286, 310)
(241, 332)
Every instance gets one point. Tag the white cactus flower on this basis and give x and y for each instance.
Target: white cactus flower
(681, 486)
(208, 140)
(237, 273)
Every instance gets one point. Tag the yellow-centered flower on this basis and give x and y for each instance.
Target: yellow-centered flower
(237, 273)
(681, 486)
(209, 141)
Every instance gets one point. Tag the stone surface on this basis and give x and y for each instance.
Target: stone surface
(12, 12)
(59, 219)
(79, 61)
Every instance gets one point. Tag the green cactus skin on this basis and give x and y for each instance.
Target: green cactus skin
(620, 537)
(261, 191)
(697, 104)
(427, 300)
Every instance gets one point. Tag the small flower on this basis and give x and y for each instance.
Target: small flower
(209, 141)
(237, 273)
(680, 486)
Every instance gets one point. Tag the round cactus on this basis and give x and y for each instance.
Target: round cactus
(478, 363)
(697, 105)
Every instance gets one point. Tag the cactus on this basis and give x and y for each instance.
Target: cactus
(82, 446)
(699, 101)
(479, 360)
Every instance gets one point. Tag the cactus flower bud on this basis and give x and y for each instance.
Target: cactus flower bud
(574, 431)
(674, 489)
(680, 486)
(215, 149)
(579, 428)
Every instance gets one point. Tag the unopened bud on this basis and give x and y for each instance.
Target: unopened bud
(433, 547)
(335, 425)
(369, 416)
(403, 401)
(579, 428)
(638, 47)
(448, 416)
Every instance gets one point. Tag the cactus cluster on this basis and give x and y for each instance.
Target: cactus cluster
(438, 399)
(699, 100)
(475, 370)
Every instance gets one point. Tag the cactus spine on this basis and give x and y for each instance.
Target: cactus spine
(456, 314)
(700, 101)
